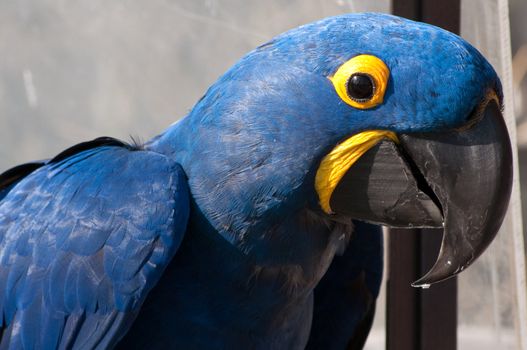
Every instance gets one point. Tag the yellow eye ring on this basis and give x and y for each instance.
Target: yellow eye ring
(363, 66)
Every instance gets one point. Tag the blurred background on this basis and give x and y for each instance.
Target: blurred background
(74, 70)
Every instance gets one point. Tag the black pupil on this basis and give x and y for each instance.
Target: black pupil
(360, 87)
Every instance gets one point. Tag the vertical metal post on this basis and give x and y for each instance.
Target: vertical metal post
(420, 319)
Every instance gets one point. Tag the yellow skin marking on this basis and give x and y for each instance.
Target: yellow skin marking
(341, 158)
(365, 64)
(335, 165)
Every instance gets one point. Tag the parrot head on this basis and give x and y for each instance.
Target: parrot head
(363, 116)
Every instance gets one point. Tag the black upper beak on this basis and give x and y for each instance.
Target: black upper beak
(460, 180)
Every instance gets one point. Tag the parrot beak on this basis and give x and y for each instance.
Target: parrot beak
(460, 180)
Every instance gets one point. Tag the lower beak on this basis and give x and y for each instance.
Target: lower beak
(460, 180)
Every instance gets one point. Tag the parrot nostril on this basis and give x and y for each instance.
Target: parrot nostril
(478, 111)
(472, 119)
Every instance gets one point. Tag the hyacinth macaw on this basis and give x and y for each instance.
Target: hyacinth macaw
(220, 232)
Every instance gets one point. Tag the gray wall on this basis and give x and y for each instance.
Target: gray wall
(74, 70)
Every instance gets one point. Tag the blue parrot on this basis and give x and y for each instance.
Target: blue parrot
(234, 228)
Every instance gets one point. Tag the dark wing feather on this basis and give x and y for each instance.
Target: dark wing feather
(345, 297)
(82, 241)
(11, 177)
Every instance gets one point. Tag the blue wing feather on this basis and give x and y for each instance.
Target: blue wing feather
(83, 239)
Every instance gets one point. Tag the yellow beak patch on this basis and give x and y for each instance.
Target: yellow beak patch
(341, 158)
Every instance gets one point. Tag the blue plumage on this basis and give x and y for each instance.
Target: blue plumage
(211, 236)
(346, 294)
(83, 241)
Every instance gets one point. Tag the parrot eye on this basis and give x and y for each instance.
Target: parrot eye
(360, 87)
(361, 81)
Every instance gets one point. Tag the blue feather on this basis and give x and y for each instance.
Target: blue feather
(69, 209)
